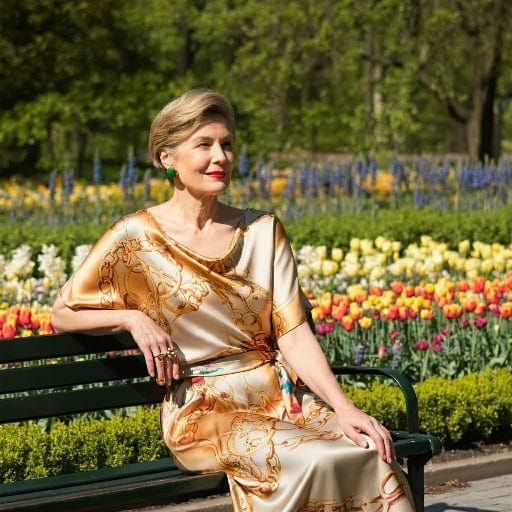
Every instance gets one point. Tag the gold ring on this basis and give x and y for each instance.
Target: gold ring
(169, 354)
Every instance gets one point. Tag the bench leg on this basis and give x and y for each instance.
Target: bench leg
(416, 479)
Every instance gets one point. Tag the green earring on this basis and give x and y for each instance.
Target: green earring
(171, 172)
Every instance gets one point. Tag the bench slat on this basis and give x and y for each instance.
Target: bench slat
(72, 373)
(98, 475)
(118, 494)
(64, 403)
(60, 345)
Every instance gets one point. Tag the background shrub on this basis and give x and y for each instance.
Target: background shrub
(403, 225)
(477, 407)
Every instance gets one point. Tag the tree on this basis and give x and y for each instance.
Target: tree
(282, 64)
(81, 74)
(317, 75)
(456, 50)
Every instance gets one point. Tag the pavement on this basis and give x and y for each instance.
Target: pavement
(473, 484)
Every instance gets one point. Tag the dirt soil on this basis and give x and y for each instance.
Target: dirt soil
(478, 449)
(475, 450)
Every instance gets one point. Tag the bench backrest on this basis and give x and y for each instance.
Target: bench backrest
(62, 374)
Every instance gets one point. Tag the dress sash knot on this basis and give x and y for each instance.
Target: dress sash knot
(249, 360)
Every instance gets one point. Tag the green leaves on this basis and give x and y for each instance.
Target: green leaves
(313, 75)
(27, 452)
(460, 411)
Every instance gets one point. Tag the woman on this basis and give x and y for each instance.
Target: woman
(210, 295)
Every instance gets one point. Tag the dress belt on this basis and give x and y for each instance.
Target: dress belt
(250, 360)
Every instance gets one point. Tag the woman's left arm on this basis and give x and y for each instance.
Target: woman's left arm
(303, 353)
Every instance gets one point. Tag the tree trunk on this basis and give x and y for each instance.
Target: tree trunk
(488, 147)
(473, 129)
(368, 90)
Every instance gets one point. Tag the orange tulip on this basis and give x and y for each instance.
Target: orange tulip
(427, 314)
(348, 323)
(452, 311)
(505, 310)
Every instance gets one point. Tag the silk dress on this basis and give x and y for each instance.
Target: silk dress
(238, 407)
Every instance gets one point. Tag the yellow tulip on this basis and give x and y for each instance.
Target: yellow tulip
(337, 254)
(365, 322)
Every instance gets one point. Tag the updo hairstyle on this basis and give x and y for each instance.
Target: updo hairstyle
(184, 115)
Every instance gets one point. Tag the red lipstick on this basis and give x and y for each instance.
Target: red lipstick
(219, 175)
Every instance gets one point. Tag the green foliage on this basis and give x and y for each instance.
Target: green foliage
(477, 407)
(314, 75)
(474, 407)
(384, 402)
(404, 225)
(27, 452)
(22, 451)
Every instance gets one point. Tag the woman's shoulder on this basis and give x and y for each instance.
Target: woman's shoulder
(131, 224)
(253, 215)
(263, 223)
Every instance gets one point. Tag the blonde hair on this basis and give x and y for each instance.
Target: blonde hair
(182, 116)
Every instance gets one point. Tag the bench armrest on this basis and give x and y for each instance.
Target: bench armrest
(411, 401)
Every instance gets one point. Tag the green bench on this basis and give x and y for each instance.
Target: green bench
(45, 389)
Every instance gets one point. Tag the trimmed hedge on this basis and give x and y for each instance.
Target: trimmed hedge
(477, 407)
(27, 452)
(403, 225)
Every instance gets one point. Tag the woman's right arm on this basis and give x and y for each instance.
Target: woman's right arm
(148, 335)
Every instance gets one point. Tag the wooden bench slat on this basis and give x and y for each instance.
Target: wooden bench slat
(60, 345)
(64, 403)
(118, 494)
(72, 373)
(111, 473)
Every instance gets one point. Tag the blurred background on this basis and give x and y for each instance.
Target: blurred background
(83, 79)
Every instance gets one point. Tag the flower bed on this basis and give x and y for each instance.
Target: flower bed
(423, 309)
(447, 328)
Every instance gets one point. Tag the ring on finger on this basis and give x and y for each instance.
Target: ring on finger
(170, 353)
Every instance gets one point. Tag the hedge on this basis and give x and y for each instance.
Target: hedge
(403, 225)
(477, 407)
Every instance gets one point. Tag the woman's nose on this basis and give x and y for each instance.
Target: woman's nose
(219, 155)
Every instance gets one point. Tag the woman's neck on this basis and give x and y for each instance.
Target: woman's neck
(193, 212)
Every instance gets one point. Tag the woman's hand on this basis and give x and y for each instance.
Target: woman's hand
(355, 422)
(303, 353)
(149, 336)
(156, 345)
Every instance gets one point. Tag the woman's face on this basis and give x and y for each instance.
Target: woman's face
(205, 160)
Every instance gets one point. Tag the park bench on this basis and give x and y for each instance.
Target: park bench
(45, 388)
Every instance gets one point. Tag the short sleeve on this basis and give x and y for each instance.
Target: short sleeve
(289, 303)
(113, 275)
(96, 284)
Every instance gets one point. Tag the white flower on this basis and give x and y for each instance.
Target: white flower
(52, 266)
(81, 252)
(20, 265)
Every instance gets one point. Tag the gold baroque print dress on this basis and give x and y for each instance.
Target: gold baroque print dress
(236, 409)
